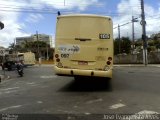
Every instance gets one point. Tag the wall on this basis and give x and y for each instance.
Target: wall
(153, 58)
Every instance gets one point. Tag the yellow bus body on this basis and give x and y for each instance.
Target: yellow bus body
(84, 46)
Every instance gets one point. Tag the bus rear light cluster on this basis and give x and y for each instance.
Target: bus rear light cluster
(109, 60)
(57, 58)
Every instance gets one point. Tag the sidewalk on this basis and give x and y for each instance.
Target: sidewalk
(115, 65)
(136, 65)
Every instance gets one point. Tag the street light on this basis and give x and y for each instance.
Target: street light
(133, 21)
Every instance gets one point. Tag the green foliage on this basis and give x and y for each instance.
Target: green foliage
(116, 46)
(37, 47)
(125, 45)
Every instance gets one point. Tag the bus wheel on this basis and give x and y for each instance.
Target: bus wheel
(77, 78)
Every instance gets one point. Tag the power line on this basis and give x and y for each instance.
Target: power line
(50, 11)
(42, 12)
(53, 4)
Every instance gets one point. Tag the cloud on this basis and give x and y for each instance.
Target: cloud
(11, 18)
(11, 24)
(70, 4)
(34, 18)
(127, 8)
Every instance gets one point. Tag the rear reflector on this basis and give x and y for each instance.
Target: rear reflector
(57, 60)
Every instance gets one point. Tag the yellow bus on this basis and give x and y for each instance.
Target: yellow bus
(28, 58)
(84, 45)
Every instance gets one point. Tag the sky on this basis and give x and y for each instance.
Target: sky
(25, 17)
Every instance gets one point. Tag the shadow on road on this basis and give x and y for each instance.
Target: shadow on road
(85, 84)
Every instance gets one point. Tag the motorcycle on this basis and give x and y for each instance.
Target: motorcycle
(20, 69)
(20, 72)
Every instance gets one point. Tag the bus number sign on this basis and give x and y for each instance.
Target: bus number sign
(104, 36)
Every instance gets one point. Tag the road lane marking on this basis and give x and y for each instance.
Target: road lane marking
(93, 101)
(147, 112)
(75, 106)
(7, 92)
(116, 106)
(10, 88)
(39, 102)
(11, 107)
(87, 113)
(30, 83)
(47, 77)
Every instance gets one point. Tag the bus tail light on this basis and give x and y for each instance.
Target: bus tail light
(108, 62)
(57, 60)
(56, 56)
(110, 58)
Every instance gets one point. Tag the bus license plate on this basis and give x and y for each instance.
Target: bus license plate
(82, 63)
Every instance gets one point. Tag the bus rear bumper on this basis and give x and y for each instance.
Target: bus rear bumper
(78, 72)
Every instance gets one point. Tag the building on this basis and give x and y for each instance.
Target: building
(41, 37)
(21, 40)
(45, 52)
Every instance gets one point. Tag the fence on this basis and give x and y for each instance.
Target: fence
(153, 58)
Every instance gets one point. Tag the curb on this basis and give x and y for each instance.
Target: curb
(136, 65)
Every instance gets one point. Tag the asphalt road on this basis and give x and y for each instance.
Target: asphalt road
(133, 90)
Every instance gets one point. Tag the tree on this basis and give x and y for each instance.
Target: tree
(40, 48)
(15, 48)
(116, 46)
(125, 45)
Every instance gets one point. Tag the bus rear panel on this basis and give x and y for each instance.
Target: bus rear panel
(84, 46)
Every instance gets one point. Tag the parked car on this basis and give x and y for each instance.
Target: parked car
(10, 65)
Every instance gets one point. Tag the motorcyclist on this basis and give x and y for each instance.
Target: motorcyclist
(19, 67)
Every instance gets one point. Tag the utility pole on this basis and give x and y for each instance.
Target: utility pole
(39, 55)
(143, 23)
(119, 37)
(47, 49)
